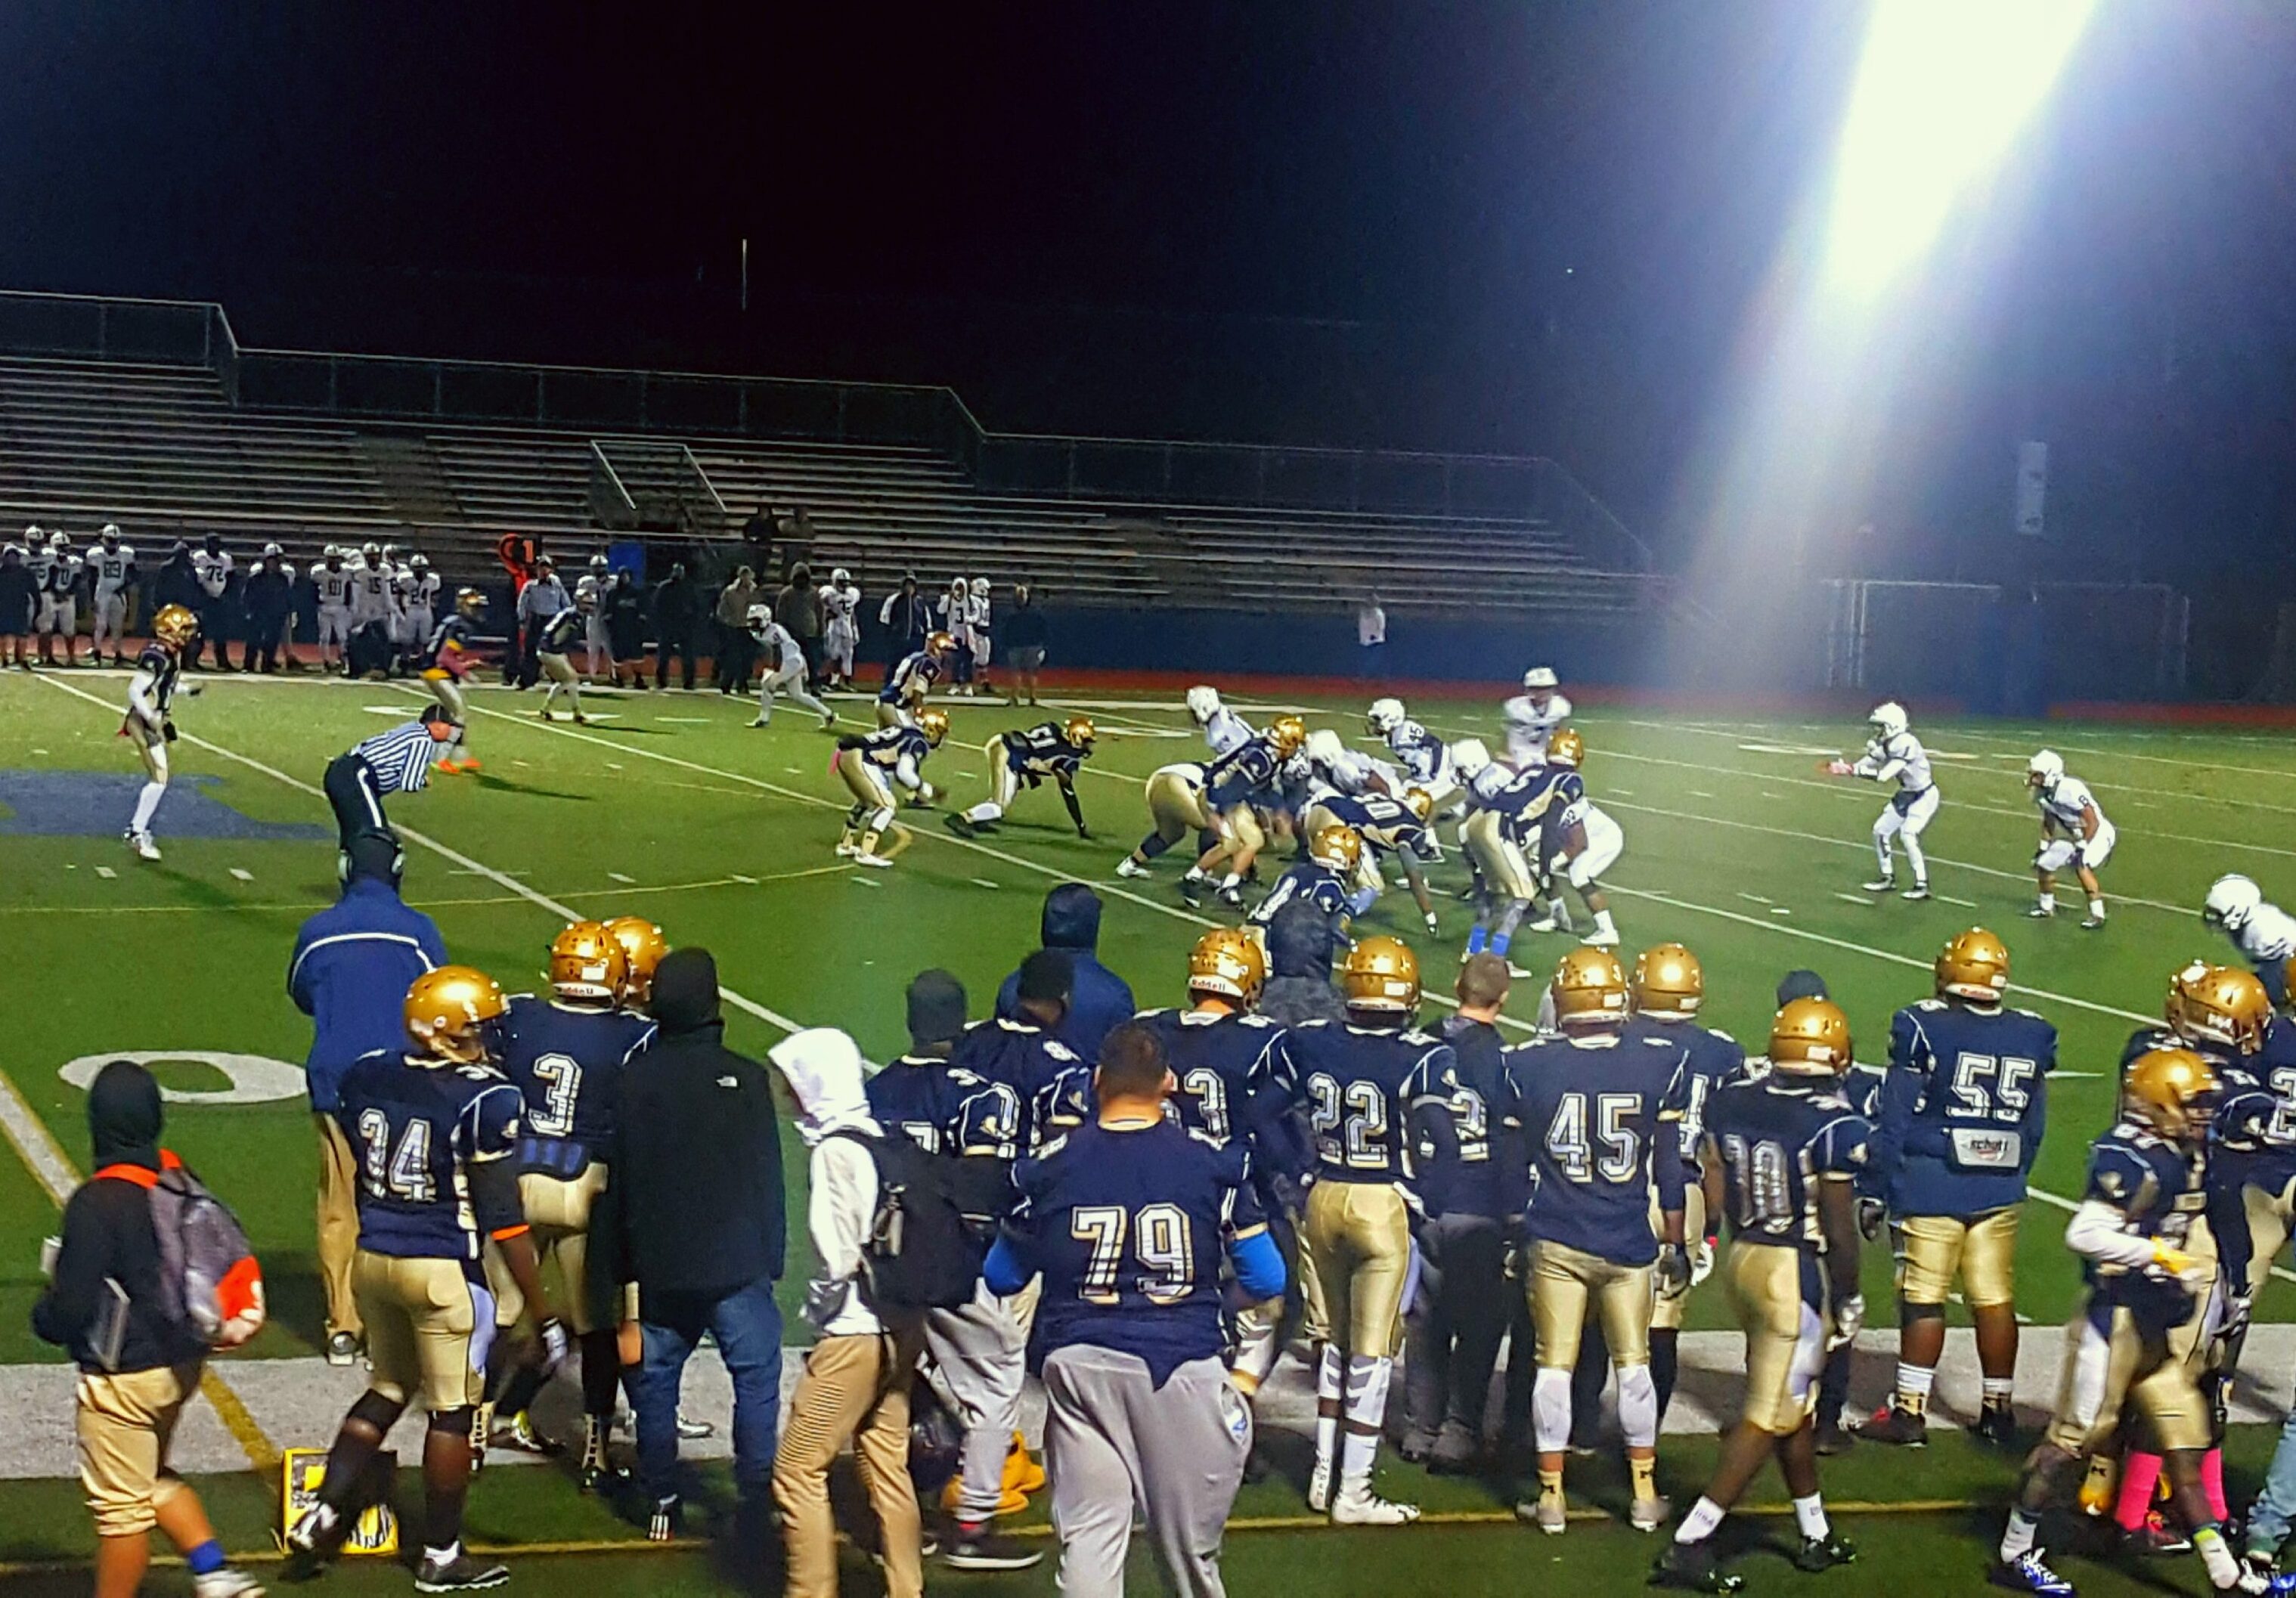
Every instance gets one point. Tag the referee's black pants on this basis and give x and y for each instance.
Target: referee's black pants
(351, 788)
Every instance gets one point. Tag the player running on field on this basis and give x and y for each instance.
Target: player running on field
(1533, 715)
(448, 658)
(1052, 749)
(1894, 755)
(2074, 832)
(782, 670)
(871, 766)
(554, 651)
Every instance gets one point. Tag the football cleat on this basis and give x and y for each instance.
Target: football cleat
(226, 1583)
(1192, 889)
(519, 1437)
(461, 1574)
(691, 1430)
(343, 1348)
(1319, 1486)
(955, 821)
(2038, 913)
(140, 842)
(1232, 897)
(1126, 868)
(1551, 1513)
(1823, 1553)
(876, 862)
(668, 1516)
(847, 849)
(1689, 1568)
(1832, 1439)
(1368, 1509)
(2155, 1537)
(1600, 939)
(1648, 1515)
(1996, 1426)
(1918, 892)
(976, 1547)
(761, 722)
(1900, 1427)
(2028, 1574)
(2090, 923)
(1881, 885)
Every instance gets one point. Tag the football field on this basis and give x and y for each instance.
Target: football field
(669, 805)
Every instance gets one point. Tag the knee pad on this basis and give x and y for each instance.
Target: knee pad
(1907, 1313)
(879, 820)
(1637, 1407)
(453, 1423)
(372, 1409)
(1550, 1408)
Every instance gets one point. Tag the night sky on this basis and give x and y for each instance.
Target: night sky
(1521, 227)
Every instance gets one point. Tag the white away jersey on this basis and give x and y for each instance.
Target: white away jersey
(111, 567)
(2064, 803)
(334, 587)
(1225, 731)
(2269, 934)
(1901, 757)
(1529, 728)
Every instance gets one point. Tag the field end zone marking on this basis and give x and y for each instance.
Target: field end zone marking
(56, 1173)
(499, 878)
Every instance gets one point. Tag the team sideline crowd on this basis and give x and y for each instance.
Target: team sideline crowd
(1145, 1212)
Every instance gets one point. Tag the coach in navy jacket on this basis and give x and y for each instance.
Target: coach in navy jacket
(1101, 1001)
(353, 965)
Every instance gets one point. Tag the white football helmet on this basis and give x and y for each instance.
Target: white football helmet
(1468, 756)
(759, 614)
(1888, 719)
(2232, 900)
(1540, 676)
(980, 587)
(1385, 715)
(1324, 748)
(270, 551)
(418, 560)
(1203, 703)
(60, 539)
(840, 578)
(111, 531)
(371, 554)
(2045, 770)
(34, 538)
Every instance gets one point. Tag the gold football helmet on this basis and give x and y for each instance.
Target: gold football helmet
(932, 721)
(470, 603)
(940, 644)
(1810, 1037)
(2224, 1004)
(1974, 965)
(175, 627)
(1285, 734)
(1420, 803)
(1668, 980)
(1590, 988)
(2172, 1091)
(452, 1012)
(1229, 962)
(1566, 748)
(643, 947)
(1338, 846)
(586, 962)
(1381, 973)
(1079, 732)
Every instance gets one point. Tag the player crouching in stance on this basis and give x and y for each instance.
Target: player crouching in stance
(902, 698)
(1050, 748)
(449, 660)
(1356, 1082)
(1780, 1151)
(2074, 832)
(1894, 755)
(2142, 1195)
(1177, 809)
(1237, 785)
(1321, 878)
(871, 766)
(437, 1128)
(1961, 1113)
(2264, 933)
(1594, 1111)
(150, 693)
(554, 651)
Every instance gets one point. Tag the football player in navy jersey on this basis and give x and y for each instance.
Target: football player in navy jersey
(1134, 1219)
(1235, 784)
(1507, 811)
(2142, 1200)
(1053, 749)
(1052, 1084)
(437, 1131)
(1596, 1113)
(1358, 1081)
(564, 1054)
(149, 723)
(902, 699)
(1963, 1112)
(1397, 826)
(1781, 1151)
(871, 766)
(1460, 1314)
(1320, 878)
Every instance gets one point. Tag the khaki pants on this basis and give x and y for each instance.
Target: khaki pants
(338, 1223)
(126, 1423)
(854, 1387)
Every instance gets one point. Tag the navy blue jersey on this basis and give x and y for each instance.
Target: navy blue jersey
(2156, 1188)
(1060, 1104)
(1524, 802)
(1385, 823)
(1026, 1059)
(561, 631)
(911, 676)
(1597, 1113)
(1304, 881)
(1358, 1087)
(567, 1065)
(1964, 1108)
(889, 749)
(1715, 1057)
(1418, 751)
(417, 1126)
(1461, 1173)
(1234, 1071)
(449, 642)
(1566, 803)
(165, 670)
(1042, 751)
(1246, 772)
(945, 1109)
(1778, 1137)
(1131, 1230)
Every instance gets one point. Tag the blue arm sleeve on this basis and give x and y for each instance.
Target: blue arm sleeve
(1670, 1174)
(1006, 1273)
(1259, 1266)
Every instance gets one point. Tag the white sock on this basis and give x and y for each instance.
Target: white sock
(2047, 901)
(1914, 859)
(444, 1556)
(1914, 1384)
(1809, 1514)
(1331, 1368)
(1560, 912)
(985, 810)
(1997, 1391)
(2017, 1537)
(1366, 1410)
(1602, 924)
(1699, 1524)
(146, 803)
(1233, 879)
(2096, 908)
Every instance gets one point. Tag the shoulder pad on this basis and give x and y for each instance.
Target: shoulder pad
(1155, 1013)
(965, 1074)
(1724, 1036)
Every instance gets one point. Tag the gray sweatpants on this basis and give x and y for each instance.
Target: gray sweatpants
(1116, 1444)
(983, 1357)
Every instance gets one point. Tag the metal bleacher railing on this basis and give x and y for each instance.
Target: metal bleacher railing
(702, 405)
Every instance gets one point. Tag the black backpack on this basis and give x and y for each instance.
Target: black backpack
(922, 1252)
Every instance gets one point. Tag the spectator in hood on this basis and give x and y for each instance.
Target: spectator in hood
(1099, 1000)
(1298, 989)
(177, 582)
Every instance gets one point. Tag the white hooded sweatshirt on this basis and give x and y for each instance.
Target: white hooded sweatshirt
(823, 1067)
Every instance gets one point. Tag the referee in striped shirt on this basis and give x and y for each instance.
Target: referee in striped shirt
(396, 761)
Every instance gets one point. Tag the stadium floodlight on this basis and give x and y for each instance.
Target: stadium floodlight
(1942, 88)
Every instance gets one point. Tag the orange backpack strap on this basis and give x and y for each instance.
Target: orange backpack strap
(141, 1176)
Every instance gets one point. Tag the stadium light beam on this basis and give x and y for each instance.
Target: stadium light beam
(1943, 86)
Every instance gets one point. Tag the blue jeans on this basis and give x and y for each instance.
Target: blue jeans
(748, 1326)
(2275, 1506)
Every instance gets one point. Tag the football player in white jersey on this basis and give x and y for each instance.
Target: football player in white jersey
(419, 594)
(59, 615)
(1424, 759)
(114, 564)
(840, 607)
(1533, 715)
(590, 596)
(1332, 765)
(374, 610)
(1223, 729)
(2074, 832)
(976, 627)
(1894, 755)
(2265, 933)
(332, 581)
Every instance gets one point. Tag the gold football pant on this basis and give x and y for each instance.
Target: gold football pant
(558, 1219)
(1175, 803)
(2110, 1364)
(1936, 1248)
(1355, 1253)
(2271, 1217)
(1505, 872)
(1785, 1336)
(1565, 1281)
(421, 1330)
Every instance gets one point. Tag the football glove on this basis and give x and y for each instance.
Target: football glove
(1701, 1259)
(1848, 1316)
(168, 731)
(554, 1344)
(1672, 1271)
(1873, 1215)
(2174, 1262)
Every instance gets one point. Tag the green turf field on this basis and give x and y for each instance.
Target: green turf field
(675, 809)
